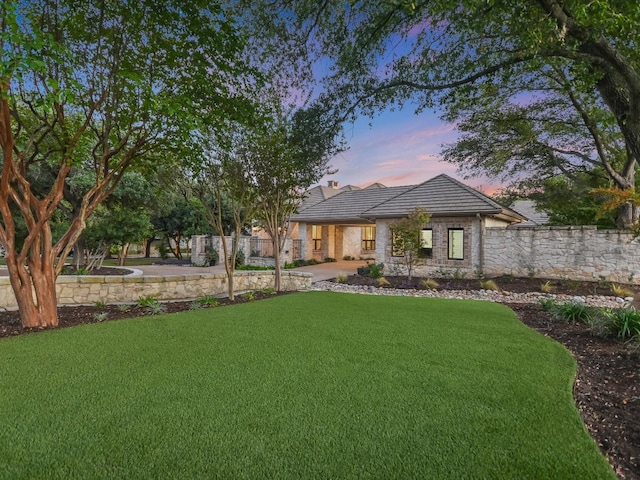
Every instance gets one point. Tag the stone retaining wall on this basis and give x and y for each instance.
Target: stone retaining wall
(75, 290)
(577, 253)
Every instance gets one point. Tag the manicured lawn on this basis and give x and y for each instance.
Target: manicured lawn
(309, 385)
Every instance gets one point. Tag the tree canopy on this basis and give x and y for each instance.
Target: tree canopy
(537, 61)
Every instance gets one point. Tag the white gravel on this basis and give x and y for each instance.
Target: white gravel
(488, 295)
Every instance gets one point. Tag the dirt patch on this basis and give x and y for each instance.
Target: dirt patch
(606, 386)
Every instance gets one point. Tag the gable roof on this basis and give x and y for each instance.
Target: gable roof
(347, 206)
(442, 196)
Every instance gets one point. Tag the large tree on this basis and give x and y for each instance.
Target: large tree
(103, 83)
(288, 153)
(451, 57)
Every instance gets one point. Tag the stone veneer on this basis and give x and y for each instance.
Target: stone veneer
(75, 290)
(577, 253)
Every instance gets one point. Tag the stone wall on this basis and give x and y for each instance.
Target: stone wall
(74, 290)
(578, 253)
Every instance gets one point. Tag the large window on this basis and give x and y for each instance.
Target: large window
(368, 238)
(426, 243)
(316, 236)
(456, 244)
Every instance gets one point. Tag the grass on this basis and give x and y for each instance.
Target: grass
(309, 385)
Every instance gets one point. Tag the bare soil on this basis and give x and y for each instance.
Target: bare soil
(606, 385)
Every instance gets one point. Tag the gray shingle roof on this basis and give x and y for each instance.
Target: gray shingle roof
(439, 196)
(527, 208)
(320, 193)
(347, 206)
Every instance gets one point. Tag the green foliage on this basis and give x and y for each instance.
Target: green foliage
(329, 259)
(101, 316)
(548, 304)
(101, 304)
(572, 312)
(207, 301)
(268, 291)
(625, 323)
(147, 301)
(376, 270)
(348, 257)
(254, 267)
(406, 240)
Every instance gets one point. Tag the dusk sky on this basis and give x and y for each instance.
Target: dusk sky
(400, 148)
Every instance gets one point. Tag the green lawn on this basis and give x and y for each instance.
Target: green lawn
(308, 385)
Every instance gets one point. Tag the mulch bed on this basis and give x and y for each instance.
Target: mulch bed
(606, 386)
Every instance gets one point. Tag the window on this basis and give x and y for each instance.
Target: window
(368, 238)
(316, 236)
(456, 244)
(426, 243)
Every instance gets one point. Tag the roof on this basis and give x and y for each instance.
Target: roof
(347, 206)
(442, 196)
(439, 196)
(320, 193)
(527, 208)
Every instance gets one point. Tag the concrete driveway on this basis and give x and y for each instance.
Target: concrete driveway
(322, 271)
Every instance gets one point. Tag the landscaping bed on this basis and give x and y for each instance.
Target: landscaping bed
(606, 386)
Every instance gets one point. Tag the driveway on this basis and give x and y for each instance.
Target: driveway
(322, 271)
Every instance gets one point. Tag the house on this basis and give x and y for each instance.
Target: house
(357, 223)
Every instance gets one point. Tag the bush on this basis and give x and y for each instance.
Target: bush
(622, 291)
(329, 259)
(348, 257)
(383, 282)
(625, 323)
(489, 285)
(341, 278)
(547, 287)
(572, 312)
(547, 304)
(376, 270)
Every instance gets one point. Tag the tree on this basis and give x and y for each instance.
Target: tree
(389, 52)
(406, 238)
(223, 184)
(104, 84)
(288, 154)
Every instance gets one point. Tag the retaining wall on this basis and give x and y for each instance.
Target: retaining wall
(75, 290)
(578, 253)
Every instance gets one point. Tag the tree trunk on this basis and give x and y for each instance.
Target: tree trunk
(80, 253)
(35, 292)
(147, 247)
(276, 256)
(122, 255)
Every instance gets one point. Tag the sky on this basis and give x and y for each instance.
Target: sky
(398, 148)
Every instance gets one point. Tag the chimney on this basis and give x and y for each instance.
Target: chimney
(332, 184)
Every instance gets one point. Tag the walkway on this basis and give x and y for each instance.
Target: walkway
(322, 271)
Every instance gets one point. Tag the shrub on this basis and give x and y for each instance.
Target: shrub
(622, 291)
(83, 271)
(147, 301)
(341, 278)
(489, 285)
(383, 282)
(376, 269)
(329, 259)
(430, 284)
(348, 257)
(572, 312)
(626, 323)
(547, 287)
(207, 301)
(268, 291)
(101, 304)
(123, 307)
(251, 267)
(547, 304)
(100, 317)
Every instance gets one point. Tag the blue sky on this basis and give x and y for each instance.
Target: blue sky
(399, 148)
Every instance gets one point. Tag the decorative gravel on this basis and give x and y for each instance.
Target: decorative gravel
(601, 301)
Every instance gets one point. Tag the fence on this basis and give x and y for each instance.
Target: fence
(259, 247)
